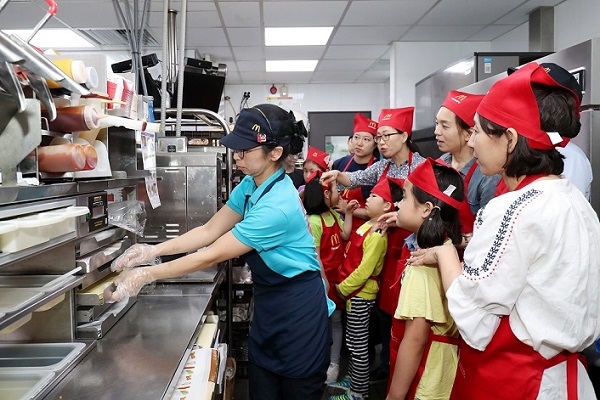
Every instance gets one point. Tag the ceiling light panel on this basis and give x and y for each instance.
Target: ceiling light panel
(305, 36)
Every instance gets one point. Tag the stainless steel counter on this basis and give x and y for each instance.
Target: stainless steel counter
(138, 357)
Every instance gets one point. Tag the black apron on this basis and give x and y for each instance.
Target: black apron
(289, 334)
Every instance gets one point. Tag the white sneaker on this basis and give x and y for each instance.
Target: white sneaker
(332, 372)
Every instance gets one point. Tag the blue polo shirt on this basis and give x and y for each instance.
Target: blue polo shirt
(276, 226)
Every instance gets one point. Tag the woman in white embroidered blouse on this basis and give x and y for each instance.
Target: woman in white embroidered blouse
(526, 299)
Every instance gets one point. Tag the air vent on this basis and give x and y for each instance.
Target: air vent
(115, 37)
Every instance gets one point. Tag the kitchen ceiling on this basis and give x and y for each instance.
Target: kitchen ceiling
(232, 32)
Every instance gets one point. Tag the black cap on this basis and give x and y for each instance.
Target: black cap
(562, 77)
(253, 129)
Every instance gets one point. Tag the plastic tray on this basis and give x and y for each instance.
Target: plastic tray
(69, 224)
(35, 356)
(13, 299)
(16, 385)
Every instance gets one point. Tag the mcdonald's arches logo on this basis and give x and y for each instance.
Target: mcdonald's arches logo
(335, 240)
(387, 116)
(373, 125)
(459, 98)
(256, 128)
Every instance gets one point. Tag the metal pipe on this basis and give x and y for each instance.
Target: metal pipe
(172, 45)
(181, 66)
(164, 69)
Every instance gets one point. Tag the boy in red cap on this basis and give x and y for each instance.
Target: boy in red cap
(363, 261)
(526, 298)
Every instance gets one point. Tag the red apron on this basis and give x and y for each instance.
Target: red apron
(332, 256)
(398, 326)
(353, 255)
(513, 369)
(507, 369)
(387, 298)
(466, 216)
(355, 194)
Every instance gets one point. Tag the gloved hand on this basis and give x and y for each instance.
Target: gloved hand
(127, 284)
(137, 254)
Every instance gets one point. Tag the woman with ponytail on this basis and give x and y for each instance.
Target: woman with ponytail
(264, 222)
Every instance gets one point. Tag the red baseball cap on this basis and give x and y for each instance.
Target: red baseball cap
(364, 124)
(319, 157)
(511, 103)
(463, 105)
(398, 118)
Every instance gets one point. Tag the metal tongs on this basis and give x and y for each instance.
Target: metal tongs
(14, 50)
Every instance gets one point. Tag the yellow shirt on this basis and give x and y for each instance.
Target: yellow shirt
(422, 296)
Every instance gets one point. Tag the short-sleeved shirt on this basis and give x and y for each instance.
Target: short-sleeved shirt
(422, 296)
(276, 226)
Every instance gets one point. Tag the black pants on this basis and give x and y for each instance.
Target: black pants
(385, 330)
(266, 385)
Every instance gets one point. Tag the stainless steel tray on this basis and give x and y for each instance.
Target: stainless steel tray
(98, 258)
(98, 328)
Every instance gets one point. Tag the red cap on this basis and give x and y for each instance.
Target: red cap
(382, 189)
(319, 157)
(364, 124)
(511, 103)
(463, 105)
(423, 177)
(398, 118)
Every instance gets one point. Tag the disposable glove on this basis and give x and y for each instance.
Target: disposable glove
(137, 254)
(127, 284)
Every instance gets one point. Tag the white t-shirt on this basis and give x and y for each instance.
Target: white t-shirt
(534, 256)
(578, 168)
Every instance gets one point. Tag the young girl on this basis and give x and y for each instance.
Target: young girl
(363, 262)
(329, 231)
(316, 160)
(423, 349)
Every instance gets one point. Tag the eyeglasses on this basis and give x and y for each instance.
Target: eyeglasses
(385, 137)
(242, 153)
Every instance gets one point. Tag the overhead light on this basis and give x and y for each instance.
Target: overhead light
(315, 36)
(52, 38)
(291, 65)
(463, 67)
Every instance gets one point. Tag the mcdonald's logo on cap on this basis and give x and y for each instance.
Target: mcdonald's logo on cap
(256, 128)
(387, 116)
(459, 98)
(373, 125)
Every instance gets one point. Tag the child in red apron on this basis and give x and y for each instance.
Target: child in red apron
(329, 232)
(526, 298)
(316, 160)
(423, 349)
(363, 261)
(365, 154)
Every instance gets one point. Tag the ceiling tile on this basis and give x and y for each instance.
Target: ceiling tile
(520, 14)
(176, 5)
(222, 54)
(344, 65)
(438, 33)
(245, 36)
(248, 53)
(468, 12)
(253, 77)
(491, 32)
(303, 13)
(196, 37)
(375, 76)
(245, 66)
(240, 14)
(368, 35)
(357, 51)
(390, 12)
(289, 77)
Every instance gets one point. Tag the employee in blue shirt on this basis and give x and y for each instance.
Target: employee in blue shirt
(264, 221)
